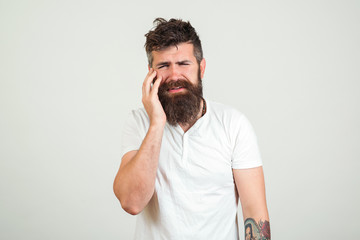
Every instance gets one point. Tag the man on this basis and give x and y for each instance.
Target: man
(187, 159)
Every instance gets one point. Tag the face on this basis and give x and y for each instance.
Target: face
(180, 92)
(178, 63)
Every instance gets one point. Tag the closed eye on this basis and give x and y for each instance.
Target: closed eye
(162, 66)
(184, 63)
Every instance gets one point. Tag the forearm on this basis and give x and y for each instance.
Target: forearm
(135, 182)
(257, 228)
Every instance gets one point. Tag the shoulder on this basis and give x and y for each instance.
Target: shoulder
(139, 114)
(230, 119)
(223, 112)
(138, 117)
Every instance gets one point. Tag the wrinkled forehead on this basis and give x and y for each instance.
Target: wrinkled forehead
(180, 52)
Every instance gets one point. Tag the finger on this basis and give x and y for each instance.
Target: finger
(147, 82)
(156, 85)
(147, 76)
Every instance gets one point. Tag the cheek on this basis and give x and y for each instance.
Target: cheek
(194, 76)
(161, 74)
(188, 73)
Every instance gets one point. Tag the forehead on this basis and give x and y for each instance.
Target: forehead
(180, 52)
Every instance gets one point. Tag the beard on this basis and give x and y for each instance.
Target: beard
(182, 108)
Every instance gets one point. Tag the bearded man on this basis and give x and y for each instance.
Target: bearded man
(186, 159)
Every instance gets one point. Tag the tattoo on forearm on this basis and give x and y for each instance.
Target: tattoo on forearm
(257, 231)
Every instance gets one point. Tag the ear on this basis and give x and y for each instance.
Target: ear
(202, 67)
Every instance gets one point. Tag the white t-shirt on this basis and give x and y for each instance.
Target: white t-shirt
(195, 195)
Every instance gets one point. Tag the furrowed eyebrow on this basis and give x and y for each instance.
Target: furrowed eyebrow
(168, 63)
(162, 63)
(184, 62)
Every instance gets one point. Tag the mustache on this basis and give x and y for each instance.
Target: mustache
(174, 84)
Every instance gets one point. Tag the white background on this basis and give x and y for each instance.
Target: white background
(70, 72)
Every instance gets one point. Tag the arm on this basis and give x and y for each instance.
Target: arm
(251, 188)
(134, 183)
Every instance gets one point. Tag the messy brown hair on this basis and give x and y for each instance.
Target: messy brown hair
(171, 33)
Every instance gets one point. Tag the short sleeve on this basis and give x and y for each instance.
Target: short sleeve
(133, 133)
(246, 152)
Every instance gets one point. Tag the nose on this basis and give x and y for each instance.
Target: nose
(174, 73)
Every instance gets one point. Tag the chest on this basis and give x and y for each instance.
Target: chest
(196, 161)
